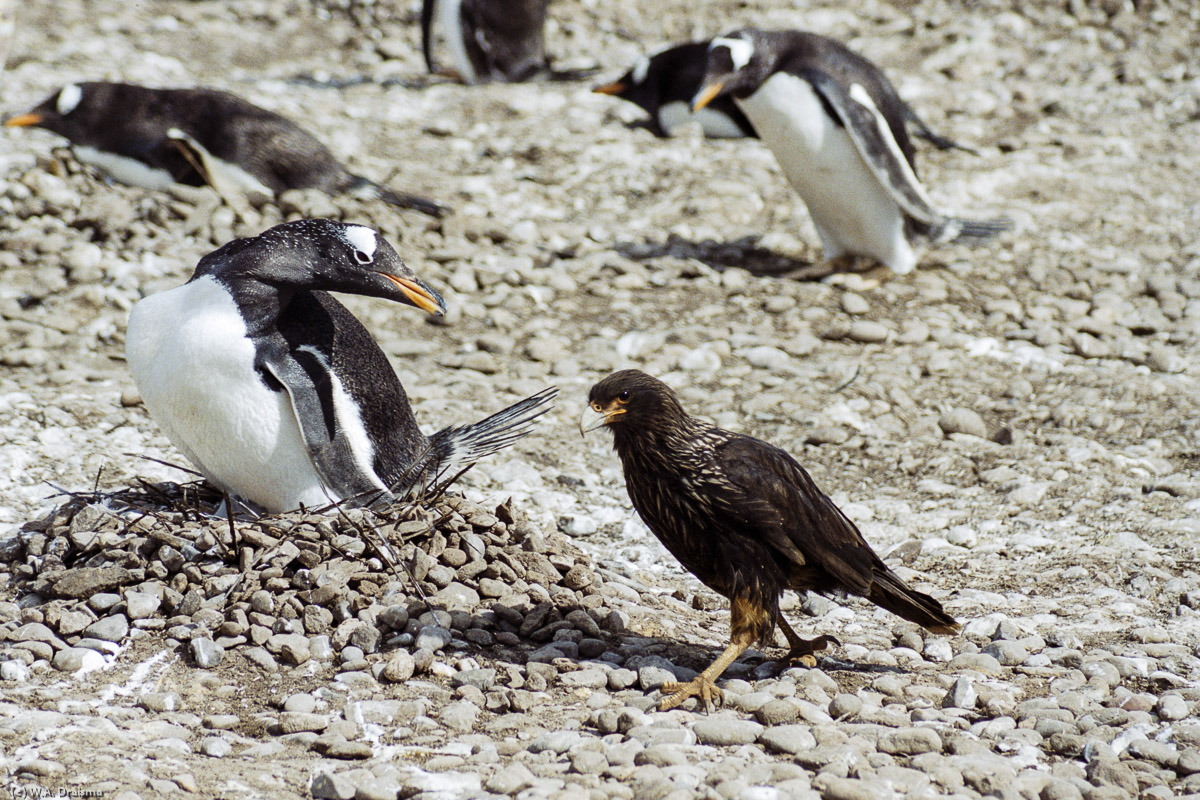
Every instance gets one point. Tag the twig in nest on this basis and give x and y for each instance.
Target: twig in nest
(848, 381)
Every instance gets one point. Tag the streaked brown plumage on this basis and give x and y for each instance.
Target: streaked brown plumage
(743, 517)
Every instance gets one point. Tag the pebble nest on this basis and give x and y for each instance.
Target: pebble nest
(1012, 426)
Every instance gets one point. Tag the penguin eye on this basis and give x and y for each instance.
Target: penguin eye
(362, 258)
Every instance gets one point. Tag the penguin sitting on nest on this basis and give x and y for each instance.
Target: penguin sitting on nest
(836, 126)
(663, 84)
(278, 394)
(502, 40)
(155, 137)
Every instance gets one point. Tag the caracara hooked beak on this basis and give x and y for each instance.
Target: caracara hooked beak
(597, 415)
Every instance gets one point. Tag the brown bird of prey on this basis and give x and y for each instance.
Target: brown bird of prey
(743, 517)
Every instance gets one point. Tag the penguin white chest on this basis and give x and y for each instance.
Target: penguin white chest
(194, 366)
(851, 210)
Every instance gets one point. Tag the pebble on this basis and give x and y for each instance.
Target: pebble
(788, 738)
(206, 653)
(962, 420)
(910, 742)
(112, 628)
(215, 747)
(1171, 707)
(400, 667)
(73, 659)
(727, 732)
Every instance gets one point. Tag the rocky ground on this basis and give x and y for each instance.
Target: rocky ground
(1013, 425)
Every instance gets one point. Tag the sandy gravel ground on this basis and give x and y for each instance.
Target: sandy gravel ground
(1016, 424)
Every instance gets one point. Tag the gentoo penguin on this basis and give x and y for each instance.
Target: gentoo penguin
(155, 137)
(277, 393)
(836, 127)
(501, 40)
(664, 83)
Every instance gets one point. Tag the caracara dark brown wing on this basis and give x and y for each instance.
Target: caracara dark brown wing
(775, 500)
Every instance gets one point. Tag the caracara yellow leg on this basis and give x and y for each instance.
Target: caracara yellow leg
(703, 685)
(748, 622)
(803, 649)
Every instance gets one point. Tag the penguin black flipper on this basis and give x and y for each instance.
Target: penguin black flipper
(305, 375)
(876, 142)
(371, 436)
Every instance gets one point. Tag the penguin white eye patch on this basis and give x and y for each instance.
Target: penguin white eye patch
(68, 98)
(364, 241)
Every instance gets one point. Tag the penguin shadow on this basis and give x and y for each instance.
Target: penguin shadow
(744, 253)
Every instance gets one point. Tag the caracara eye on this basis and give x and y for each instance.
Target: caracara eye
(624, 396)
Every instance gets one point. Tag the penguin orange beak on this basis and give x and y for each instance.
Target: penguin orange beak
(706, 95)
(23, 120)
(616, 87)
(419, 294)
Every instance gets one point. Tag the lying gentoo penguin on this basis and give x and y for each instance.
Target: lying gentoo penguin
(155, 137)
(277, 393)
(501, 40)
(836, 127)
(664, 83)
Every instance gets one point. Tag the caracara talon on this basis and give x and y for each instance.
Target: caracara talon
(803, 649)
(676, 692)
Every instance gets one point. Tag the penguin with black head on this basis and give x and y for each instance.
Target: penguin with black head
(836, 126)
(278, 394)
(156, 137)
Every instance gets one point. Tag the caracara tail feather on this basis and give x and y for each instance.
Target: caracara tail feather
(889, 592)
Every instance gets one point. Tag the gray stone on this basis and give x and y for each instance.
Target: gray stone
(910, 742)
(981, 662)
(215, 747)
(459, 716)
(482, 679)
(556, 742)
(512, 779)
(651, 678)
(1009, 653)
(962, 420)
(432, 637)
(84, 582)
(777, 712)
(727, 732)
(141, 605)
(962, 694)
(1171, 707)
(332, 786)
(845, 706)
(113, 628)
(592, 678)
(205, 652)
(399, 668)
(291, 647)
(789, 739)
(299, 722)
(74, 659)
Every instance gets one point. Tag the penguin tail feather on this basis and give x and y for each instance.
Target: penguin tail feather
(889, 592)
(364, 187)
(456, 448)
(957, 229)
